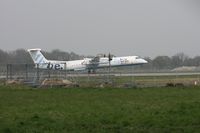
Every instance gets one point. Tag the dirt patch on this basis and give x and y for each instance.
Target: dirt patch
(58, 83)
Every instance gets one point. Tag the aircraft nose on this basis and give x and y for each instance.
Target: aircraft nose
(144, 61)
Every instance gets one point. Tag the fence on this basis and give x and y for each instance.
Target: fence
(104, 77)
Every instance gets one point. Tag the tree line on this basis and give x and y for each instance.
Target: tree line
(21, 56)
(167, 63)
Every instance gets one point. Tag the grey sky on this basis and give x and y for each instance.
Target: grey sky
(122, 27)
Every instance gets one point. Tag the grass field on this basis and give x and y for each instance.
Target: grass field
(144, 110)
(139, 81)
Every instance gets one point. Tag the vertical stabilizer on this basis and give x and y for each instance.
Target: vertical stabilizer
(37, 56)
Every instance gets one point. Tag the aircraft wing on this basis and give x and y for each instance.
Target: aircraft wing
(94, 62)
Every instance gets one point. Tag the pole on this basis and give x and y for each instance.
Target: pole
(132, 77)
(65, 70)
(38, 73)
(26, 67)
(10, 71)
(109, 73)
(7, 71)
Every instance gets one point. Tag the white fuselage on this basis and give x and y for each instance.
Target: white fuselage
(86, 63)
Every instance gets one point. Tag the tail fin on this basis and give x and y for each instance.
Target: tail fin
(37, 56)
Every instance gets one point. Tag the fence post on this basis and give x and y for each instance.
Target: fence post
(132, 77)
(10, 71)
(48, 70)
(65, 70)
(38, 73)
(7, 71)
(26, 66)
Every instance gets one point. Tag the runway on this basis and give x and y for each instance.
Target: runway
(59, 75)
(137, 74)
(160, 74)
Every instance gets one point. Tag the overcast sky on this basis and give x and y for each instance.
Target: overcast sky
(122, 27)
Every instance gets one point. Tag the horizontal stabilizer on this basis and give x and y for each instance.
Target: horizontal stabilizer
(35, 49)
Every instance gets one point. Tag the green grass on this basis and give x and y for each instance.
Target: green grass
(26, 110)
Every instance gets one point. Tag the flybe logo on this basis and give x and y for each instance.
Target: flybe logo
(124, 60)
(55, 66)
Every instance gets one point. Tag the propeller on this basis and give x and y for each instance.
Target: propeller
(110, 57)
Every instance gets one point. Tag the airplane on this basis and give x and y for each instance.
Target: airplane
(84, 64)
